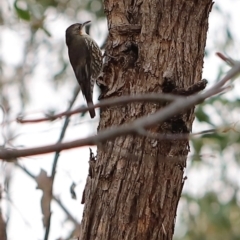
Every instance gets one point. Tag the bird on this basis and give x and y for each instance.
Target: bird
(86, 59)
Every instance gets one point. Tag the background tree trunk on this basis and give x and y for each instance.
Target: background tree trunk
(134, 186)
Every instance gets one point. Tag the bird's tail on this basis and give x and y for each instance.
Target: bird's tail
(91, 111)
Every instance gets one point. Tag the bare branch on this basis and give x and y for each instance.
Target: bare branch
(160, 116)
(56, 157)
(153, 97)
(132, 128)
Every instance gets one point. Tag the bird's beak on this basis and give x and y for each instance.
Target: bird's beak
(86, 23)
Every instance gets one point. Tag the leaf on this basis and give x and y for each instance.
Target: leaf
(72, 191)
(202, 116)
(45, 184)
(197, 145)
(22, 13)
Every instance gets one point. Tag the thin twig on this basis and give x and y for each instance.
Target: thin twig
(57, 153)
(153, 97)
(65, 125)
(168, 136)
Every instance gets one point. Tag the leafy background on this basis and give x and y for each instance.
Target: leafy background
(36, 80)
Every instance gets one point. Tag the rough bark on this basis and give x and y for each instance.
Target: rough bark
(135, 184)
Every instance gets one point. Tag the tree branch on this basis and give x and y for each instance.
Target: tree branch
(160, 116)
(56, 157)
(153, 97)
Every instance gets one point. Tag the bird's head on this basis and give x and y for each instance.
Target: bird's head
(77, 29)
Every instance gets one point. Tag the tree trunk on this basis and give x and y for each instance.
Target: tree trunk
(134, 186)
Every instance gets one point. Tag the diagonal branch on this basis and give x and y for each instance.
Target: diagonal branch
(160, 116)
(152, 97)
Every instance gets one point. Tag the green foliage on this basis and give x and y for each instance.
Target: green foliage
(209, 218)
(21, 12)
(95, 6)
(202, 116)
(225, 132)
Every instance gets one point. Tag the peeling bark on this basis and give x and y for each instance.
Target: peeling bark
(136, 182)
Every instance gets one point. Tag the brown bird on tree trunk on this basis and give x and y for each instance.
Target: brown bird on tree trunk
(86, 59)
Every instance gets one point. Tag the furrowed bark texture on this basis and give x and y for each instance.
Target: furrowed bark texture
(135, 184)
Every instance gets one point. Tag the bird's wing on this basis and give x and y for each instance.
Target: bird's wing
(83, 75)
